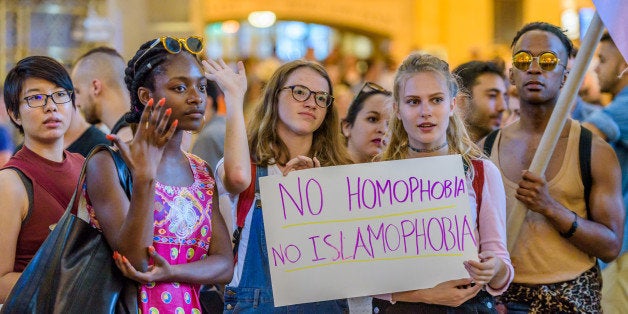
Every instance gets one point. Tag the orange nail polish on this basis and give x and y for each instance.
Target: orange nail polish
(161, 102)
(110, 137)
(168, 111)
(151, 249)
(124, 259)
(116, 255)
(149, 103)
(175, 123)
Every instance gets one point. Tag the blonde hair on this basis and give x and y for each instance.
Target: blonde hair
(266, 146)
(457, 136)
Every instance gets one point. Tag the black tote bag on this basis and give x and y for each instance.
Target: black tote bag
(73, 271)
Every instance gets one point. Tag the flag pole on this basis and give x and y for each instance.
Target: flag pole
(557, 120)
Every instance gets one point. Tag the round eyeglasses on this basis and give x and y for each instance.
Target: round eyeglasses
(40, 100)
(548, 60)
(301, 93)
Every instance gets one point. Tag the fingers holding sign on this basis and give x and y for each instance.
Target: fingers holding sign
(300, 163)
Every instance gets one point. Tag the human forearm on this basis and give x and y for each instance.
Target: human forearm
(449, 293)
(502, 276)
(589, 236)
(136, 232)
(237, 167)
(596, 239)
(7, 281)
(237, 171)
(214, 269)
(421, 295)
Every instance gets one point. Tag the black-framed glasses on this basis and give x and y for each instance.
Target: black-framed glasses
(548, 60)
(302, 94)
(40, 100)
(192, 44)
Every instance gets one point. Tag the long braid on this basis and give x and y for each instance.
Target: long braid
(139, 74)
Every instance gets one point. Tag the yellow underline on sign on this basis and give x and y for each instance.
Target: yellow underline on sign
(367, 218)
(369, 260)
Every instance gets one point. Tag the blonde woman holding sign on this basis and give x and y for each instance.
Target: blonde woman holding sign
(424, 124)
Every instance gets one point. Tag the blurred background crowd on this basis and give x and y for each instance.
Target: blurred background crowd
(356, 40)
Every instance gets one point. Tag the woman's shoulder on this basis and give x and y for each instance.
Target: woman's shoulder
(13, 191)
(8, 177)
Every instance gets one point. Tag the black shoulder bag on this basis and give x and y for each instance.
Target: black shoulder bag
(73, 271)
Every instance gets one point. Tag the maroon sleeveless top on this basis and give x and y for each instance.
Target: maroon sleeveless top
(53, 186)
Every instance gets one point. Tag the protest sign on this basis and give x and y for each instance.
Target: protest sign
(364, 229)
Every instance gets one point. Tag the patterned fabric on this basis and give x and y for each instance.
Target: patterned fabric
(581, 295)
(182, 235)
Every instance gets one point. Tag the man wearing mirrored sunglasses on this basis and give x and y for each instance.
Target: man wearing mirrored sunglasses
(484, 97)
(563, 231)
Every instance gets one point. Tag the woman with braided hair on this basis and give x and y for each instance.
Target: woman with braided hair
(169, 235)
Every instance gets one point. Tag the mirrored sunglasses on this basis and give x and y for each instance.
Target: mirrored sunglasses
(547, 61)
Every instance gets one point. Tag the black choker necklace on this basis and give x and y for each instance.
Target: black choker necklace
(427, 150)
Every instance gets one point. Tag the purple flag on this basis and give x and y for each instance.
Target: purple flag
(614, 15)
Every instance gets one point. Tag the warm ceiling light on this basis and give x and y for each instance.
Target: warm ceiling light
(230, 27)
(262, 19)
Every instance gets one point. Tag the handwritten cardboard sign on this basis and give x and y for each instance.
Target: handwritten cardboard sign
(365, 229)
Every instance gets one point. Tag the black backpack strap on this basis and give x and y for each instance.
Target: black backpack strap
(584, 151)
(489, 140)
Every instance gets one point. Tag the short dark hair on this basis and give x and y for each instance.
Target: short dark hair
(41, 67)
(546, 27)
(607, 37)
(101, 49)
(469, 72)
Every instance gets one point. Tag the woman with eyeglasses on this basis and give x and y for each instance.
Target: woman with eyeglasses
(424, 124)
(37, 183)
(366, 123)
(169, 236)
(294, 127)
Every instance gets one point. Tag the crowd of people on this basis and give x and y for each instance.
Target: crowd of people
(193, 222)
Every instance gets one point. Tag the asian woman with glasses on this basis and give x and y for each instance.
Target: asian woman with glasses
(169, 236)
(366, 123)
(294, 127)
(39, 180)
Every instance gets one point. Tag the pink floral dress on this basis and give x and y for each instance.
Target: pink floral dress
(182, 235)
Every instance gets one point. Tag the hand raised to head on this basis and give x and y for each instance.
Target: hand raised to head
(143, 154)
